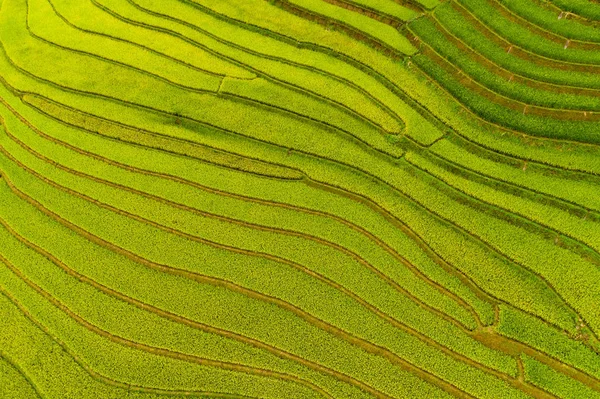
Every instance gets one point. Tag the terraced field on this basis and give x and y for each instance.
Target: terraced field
(299, 199)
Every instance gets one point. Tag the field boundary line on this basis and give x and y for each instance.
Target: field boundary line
(498, 184)
(255, 53)
(4, 357)
(94, 374)
(186, 321)
(361, 343)
(218, 93)
(349, 253)
(394, 322)
(325, 242)
(394, 253)
(543, 31)
(517, 76)
(220, 192)
(558, 114)
(504, 39)
(160, 351)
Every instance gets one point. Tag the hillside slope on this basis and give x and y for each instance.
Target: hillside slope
(299, 199)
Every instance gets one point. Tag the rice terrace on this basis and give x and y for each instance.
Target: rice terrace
(299, 199)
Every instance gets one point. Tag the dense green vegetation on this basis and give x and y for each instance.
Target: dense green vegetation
(299, 199)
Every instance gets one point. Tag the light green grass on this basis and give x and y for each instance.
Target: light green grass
(13, 383)
(548, 339)
(389, 7)
(184, 221)
(521, 92)
(520, 35)
(555, 382)
(259, 199)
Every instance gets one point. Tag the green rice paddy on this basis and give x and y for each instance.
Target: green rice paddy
(339, 199)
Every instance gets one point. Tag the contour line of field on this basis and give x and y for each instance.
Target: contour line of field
(341, 26)
(346, 191)
(509, 130)
(156, 350)
(202, 326)
(581, 18)
(210, 125)
(517, 383)
(365, 345)
(498, 151)
(262, 74)
(565, 203)
(293, 173)
(485, 31)
(235, 96)
(356, 257)
(159, 111)
(376, 75)
(370, 307)
(135, 44)
(540, 226)
(363, 172)
(373, 176)
(4, 357)
(412, 268)
(116, 62)
(101, 378)
(254, 70)
(490, 32)
(424, 111)
(566, 246)
(558, 114)
(220, 192)
(539, 29)
(387, 249)
(232, 97)
(493, 67)
(492, 248)
(498, 184)
(369, 12)
(187, 321)
(413, 332)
